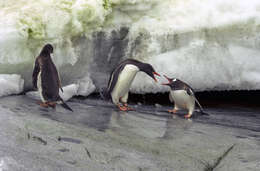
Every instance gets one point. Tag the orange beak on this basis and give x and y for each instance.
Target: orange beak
(170, 80)
(155, 73)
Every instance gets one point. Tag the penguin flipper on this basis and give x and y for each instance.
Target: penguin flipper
(57, 76)
(104, 94)
(114, 76)
(189, 91)
(170, 97)
(36, 71)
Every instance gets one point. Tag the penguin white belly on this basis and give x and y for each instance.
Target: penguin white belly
(124, 82)
(39, 86)
(182, 99)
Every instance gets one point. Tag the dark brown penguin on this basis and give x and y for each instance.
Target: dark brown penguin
(46, 78)
(121, 79)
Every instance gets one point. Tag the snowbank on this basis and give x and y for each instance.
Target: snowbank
(83, 87)
(10, 84)
(213, 45)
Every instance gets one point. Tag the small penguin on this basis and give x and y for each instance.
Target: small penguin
(46, 79)
(183, 96)
(121, 79)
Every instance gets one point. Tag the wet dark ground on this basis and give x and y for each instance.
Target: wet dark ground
(96, 136)
(219, 99)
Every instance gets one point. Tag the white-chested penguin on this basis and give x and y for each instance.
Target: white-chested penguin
(46, 78)
(121, 79)
(183, 96)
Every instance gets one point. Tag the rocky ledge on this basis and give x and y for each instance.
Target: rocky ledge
(96, 136)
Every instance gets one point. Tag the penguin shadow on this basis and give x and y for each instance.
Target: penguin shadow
(176, 128)
(45, 112)
(56, 113)
(137, 124)
(84, 117)
(180, 113)
(117, 120)
(41, 109)
(163, 112)
(195, 116)
(158, 114)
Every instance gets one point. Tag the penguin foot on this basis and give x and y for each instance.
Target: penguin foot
(45, 104)
(172, 111)
(187, 116)
(123, 108)
(128, 108)
(52, 104)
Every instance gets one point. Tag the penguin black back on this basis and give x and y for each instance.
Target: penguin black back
(176, 84)
(49, 74)
(50, 80)
(46, 77)
(145, 67)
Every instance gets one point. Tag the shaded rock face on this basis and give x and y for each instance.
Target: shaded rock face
(97, 55)
(109, 50)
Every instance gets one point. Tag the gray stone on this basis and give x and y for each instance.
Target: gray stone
(96, 136)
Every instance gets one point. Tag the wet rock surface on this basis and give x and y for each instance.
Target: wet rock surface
(96, 136)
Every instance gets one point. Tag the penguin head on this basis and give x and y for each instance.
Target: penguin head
(149, 70)
(171, 82)
(47, 49)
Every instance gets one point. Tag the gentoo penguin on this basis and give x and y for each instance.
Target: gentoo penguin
(122, 77)
(183, 96)
(46, 78)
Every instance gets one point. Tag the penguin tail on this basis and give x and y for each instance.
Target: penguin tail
(203, 113)
(200, 108)
(64, 105)
(104, 94)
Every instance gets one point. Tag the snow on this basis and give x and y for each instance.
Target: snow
(83, 87)
(10, 84)
(86, 86)
(212, 45)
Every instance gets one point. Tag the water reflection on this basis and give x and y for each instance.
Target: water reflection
(83, 115)
(139, 124)
(176, 127)
(143, 122)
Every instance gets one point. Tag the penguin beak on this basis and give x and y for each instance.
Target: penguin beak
(155, 73)
(168, 84)
(170, 80)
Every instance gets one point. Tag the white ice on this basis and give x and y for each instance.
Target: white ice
(86, 86)
(10, 84)
(212, 45)
(83, 87)
(205, 66)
